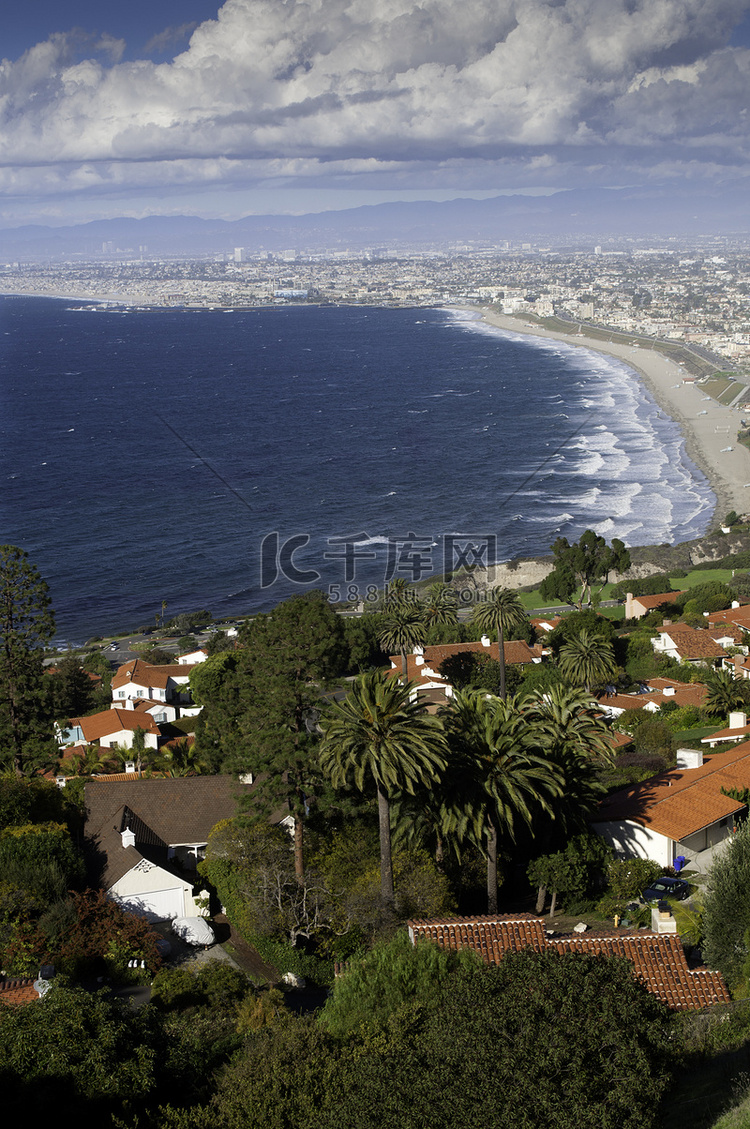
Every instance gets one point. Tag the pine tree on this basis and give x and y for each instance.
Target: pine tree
(26, 626)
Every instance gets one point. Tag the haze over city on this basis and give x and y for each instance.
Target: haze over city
(257, 107)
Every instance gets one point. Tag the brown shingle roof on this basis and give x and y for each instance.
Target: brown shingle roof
(161, 812)
(691, 643)
(658, 960)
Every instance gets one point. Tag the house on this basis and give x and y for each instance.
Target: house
(738, 616)
(423, 666)
(658, 959)
(680, 812)
(688, 644)
(193, 657)
(656, 693)
(638, 606)
(139, 679)
(737, 730)
(144, 838)
(111, 727)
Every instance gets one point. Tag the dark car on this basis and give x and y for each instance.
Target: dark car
(667, 888)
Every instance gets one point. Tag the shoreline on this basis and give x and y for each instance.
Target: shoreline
(705, 435)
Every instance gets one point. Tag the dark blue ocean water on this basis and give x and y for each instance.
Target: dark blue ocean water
(151, 455)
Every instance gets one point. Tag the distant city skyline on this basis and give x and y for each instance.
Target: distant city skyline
(279, 106)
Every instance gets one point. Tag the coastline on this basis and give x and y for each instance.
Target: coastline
(706, 435)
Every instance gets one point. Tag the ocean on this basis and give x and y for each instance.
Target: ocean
(226, 459)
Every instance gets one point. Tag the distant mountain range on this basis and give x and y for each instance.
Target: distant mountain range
(575, 218)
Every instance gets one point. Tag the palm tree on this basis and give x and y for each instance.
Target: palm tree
(379, 734)
(563, 727)
(725, 693)
(91, 761)
(440, 605)
(588, 660)
(563, 716)
(403, 628)
(502, 611)
(504, 780)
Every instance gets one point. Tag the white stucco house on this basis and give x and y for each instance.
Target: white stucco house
(144, 838)
(682, 812)
(139, 679)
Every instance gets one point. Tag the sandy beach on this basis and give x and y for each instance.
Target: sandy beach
(707, 427)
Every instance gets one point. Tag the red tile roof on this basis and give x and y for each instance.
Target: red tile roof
(685, 694)
(679, 803)
(516, 651)
(648, 603)
(140, 673)
(111, 721)
(16, 993)
(658, 960)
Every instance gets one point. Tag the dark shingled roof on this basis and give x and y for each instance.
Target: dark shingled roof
(161, 813)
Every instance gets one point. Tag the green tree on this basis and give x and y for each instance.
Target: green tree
(26, 626)
(440, 605)
(588, 660)
(725, 693)
(541, 1039)
(379, 735)
(78, 1051)
(71, 691)
(262, 705)
(403, 628)
(580, 566)
(570, 872)
(562, 726)
(501, 779)
(501, 612)
(392, 974)
(726, 909)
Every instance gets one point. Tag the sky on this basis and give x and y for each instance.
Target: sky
(261, 106)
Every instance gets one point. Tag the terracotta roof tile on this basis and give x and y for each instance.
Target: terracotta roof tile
(17, 993)
(107, 722)
(517, 652)
(658, 960)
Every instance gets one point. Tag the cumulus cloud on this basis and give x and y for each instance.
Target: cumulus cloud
(548, 89)
(169, 38)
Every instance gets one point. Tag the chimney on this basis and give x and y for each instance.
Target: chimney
(661, 919)
(689, 758)
(128, 838)
(486, 641)
(668, 691)
(737, 719)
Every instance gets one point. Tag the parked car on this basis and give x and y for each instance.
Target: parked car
(665, 887)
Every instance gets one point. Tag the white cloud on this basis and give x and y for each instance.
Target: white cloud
(333, 89)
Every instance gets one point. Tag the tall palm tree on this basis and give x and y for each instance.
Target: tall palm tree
(440, 604)
(501, 612)
(379, 734)
(562, 726)
(403, 628)
(504, 779)
(588, 660)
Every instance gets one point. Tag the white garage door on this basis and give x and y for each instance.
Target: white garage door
(156, 905)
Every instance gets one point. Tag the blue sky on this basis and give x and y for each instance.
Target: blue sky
(173, 107)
